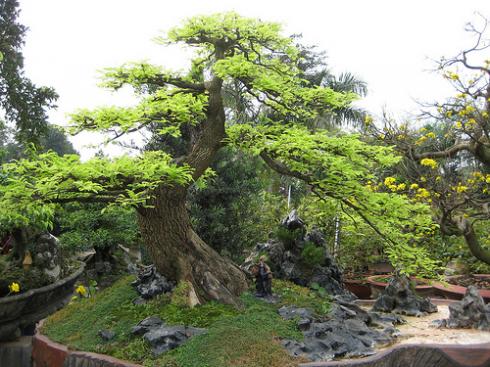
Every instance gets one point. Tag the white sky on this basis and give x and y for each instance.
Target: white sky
(387, 43)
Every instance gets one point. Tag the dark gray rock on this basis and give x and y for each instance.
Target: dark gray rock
(150, 283)
(348, 331)
(399, 297)
(291, 312)
(46, 255)
(165, 338)
(139, 301)
(102, 267)
(106, 335)
(293, 221)
(146, 325)
(315, 236)
(469, 313)
(161, 337)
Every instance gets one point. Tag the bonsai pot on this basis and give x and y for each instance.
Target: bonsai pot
(378, 284)
(381, 267)
(21, 312)
(360, 287)
(457, 292)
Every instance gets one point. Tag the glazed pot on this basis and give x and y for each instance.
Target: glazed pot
(457, 292)
(24, 310)
(360, 287)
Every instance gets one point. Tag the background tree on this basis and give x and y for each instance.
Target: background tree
(23, 102)
(448, 160)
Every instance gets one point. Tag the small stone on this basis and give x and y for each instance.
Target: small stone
(165, 338)
(150, 283)
(139, 301)
(146, 325)
(291, 312)
(106, 335)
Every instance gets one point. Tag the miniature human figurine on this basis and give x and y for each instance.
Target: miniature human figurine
(263, 278)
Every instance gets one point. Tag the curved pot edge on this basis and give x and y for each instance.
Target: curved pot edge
(46, 288)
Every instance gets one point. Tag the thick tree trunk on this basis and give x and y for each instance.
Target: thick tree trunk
(180, 254)
(473, 242)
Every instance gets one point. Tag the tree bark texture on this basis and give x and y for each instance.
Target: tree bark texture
(473, 241)
(179, 253)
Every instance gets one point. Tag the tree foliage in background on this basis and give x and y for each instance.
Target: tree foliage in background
(83, 227)
(23, 102)
(236, 209)
(447, 162)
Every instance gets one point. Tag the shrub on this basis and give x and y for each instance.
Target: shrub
(313, 255)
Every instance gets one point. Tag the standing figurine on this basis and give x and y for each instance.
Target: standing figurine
(263, 278)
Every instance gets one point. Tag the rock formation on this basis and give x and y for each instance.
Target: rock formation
(399, 297)
(301, 257)
(470, 312)
(150, 283)
(348, 331)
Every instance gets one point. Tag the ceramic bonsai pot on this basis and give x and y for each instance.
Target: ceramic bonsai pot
(22, 311)
(360, 287)
(456, 292)
(378, 284)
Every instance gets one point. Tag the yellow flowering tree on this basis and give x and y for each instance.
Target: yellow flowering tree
(447, 162)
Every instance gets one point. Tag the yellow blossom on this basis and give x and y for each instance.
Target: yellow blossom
(459, 124)
(484, 114)
(422, 194)
(81, 290)
(472, 121)
(414, 186)
(401, 187)
(429, 163)
(14, 287)
(389, 181)
(431, 135)
(368, 120)
(460, 188)
(452, 76)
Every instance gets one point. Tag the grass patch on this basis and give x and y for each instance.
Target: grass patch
(250, 337)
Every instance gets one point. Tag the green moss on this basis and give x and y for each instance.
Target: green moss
(312, 255)
(249, 337)
(292, 294)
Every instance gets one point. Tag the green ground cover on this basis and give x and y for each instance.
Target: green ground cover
(247, 337)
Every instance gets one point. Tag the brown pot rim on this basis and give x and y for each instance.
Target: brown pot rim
(373, 280)
(460, 290)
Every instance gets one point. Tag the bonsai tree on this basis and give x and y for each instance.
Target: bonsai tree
(264, 64)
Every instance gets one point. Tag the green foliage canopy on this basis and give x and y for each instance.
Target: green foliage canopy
(228, 49)
(31, 188)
